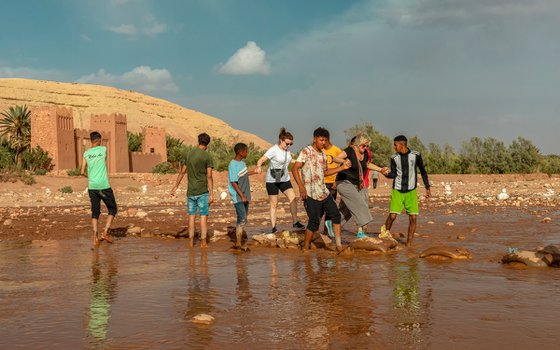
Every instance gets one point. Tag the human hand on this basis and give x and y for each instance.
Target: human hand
(347, 164)
(210, 199)
(258, 169)
(302, 193)
(385, 171)
(244, 198)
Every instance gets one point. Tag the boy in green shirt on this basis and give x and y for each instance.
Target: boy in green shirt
(198, 167)
(95, 160)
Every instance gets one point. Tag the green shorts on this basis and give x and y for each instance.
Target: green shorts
(406, 200)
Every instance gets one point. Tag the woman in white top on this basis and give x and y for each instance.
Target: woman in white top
(278, 177)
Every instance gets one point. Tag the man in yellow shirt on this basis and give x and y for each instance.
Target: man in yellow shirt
(331, 151)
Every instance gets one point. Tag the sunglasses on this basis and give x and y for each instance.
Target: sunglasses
(288, 144)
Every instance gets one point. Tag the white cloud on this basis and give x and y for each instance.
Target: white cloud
(126, 29)
(248, 60)
(143, 78)
(149, 27)
(154, 29)
(85, 37)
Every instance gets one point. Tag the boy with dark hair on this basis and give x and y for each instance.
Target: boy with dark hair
(198, 167)
(95, 161)
(403, 195)
(239, 189)
(312, 189)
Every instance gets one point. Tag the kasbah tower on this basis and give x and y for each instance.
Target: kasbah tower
(52, 128)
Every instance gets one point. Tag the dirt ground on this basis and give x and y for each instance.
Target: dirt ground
(42, 212)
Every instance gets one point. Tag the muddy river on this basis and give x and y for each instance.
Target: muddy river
(141, 293)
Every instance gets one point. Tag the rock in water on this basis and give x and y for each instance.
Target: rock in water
(374, 244)
(202, 319)
(447, 252)
(526, 257)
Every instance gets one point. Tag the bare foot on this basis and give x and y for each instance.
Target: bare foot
(105, 237)
(203, 244)
(191, 243)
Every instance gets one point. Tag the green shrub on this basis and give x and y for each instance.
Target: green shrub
(40, 172)
(7, 157)
(164, 168)
(74, 172)
(66, 189)
(134, 141)
(37, 158)
(27, 179)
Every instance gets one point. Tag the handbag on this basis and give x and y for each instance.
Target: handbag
(277, 174)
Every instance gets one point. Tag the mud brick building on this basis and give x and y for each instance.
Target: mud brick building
(52, 128)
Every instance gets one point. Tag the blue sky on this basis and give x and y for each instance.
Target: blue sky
(443, 70)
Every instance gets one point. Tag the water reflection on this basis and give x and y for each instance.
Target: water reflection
(243, 289)
(103, 291)
(407, 304)
(199, 298)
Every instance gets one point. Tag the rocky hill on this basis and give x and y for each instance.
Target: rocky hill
(141, 110)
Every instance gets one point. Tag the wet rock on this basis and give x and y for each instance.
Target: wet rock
(460, 237)
(546, 220)
(528, 258)
(134, 230)
(449, 252)
(202, 319)
(450, 224)
(374, 244)
(8, 222)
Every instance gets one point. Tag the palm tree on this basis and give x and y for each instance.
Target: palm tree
(16, 127)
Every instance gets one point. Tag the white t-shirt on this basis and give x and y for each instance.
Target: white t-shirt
(278, 159)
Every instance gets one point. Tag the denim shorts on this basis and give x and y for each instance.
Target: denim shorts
(242, 210)
(199, 203)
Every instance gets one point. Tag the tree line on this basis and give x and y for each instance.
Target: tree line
(476, 156)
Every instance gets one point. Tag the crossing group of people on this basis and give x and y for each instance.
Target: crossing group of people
(322, 171)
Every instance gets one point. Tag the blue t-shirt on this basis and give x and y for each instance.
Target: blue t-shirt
(238, 172)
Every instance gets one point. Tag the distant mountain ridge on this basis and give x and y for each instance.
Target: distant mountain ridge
(141, 110)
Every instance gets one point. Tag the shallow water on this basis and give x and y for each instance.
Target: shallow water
(142, 293)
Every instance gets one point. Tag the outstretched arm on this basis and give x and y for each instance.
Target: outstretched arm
(260, 162)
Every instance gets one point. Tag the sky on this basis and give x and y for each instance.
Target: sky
(442, 70)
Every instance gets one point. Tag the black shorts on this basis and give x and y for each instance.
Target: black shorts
(272, 188)
(107, 196)
(316, 209)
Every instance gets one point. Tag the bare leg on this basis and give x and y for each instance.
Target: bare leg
(336, 229)
(105, 235)
(293, 203)
(411, 230)
(203, 230)
(273, 206)
(238, 235)
(191, 231)
(307, 241)
(95, 237)
(389, 222)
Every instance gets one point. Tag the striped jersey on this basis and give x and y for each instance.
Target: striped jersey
(403, 171)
